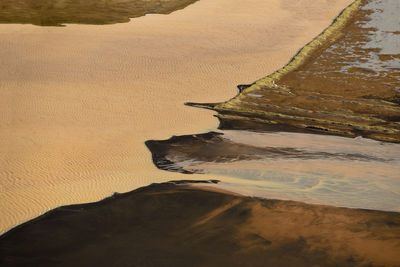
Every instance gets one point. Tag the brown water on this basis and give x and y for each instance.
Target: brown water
(78, 102)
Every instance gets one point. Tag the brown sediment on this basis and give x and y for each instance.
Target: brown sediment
(171, 225)
(59, 12)
(314, 93)
(385, 57)
(78, 102)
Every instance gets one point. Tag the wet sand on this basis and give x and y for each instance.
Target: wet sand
(78, 102)
(170, 225)
(344, 82)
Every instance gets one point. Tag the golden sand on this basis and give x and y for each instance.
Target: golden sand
(78, 102)
(344, 82)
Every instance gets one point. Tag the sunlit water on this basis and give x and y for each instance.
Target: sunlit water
(360, 173)
(78, 102)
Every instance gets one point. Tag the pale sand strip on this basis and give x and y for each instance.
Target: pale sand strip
(77, 103)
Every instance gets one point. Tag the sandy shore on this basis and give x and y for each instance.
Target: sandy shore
(344, 82)
(78, 102)
(169, 225)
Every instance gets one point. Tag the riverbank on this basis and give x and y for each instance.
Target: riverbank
(183, 225)
(78, 102)
(344, 82)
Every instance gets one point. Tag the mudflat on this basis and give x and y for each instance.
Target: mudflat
(344, 82)
(78, 102)
(182, 225)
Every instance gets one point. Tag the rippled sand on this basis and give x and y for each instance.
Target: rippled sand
(78, 102)
(345, 82)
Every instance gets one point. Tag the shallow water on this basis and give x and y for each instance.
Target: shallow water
(330, 170)
(382, 47)
(345, 82)
(353, 84)
(78, 102)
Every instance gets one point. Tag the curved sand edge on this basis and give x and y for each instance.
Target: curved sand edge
(329, 36)
(79, 102)
(170, 225)
(318, 91)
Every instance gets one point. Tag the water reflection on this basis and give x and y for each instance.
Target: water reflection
(59, 12)
(331, 170)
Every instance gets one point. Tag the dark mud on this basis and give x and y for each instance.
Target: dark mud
(180, 225)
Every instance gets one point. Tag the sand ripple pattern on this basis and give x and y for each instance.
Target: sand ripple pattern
(78, 102)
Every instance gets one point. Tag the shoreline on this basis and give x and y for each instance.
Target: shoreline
(184, 214)
(79, 102)
(279, 101)
(319, 169)
(107, 199)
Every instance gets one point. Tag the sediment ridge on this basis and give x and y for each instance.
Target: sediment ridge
(328, 87)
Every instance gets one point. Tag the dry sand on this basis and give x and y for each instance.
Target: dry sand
(78, 102)
(345, 82)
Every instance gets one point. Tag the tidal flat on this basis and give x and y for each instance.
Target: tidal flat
(344, 82)
(322, 130)
(78, 102)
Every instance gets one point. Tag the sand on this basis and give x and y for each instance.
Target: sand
(169, 225)
(78, 102)
(344, 82)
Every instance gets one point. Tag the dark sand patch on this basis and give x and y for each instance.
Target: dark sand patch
(170, 225)
(59, 12)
